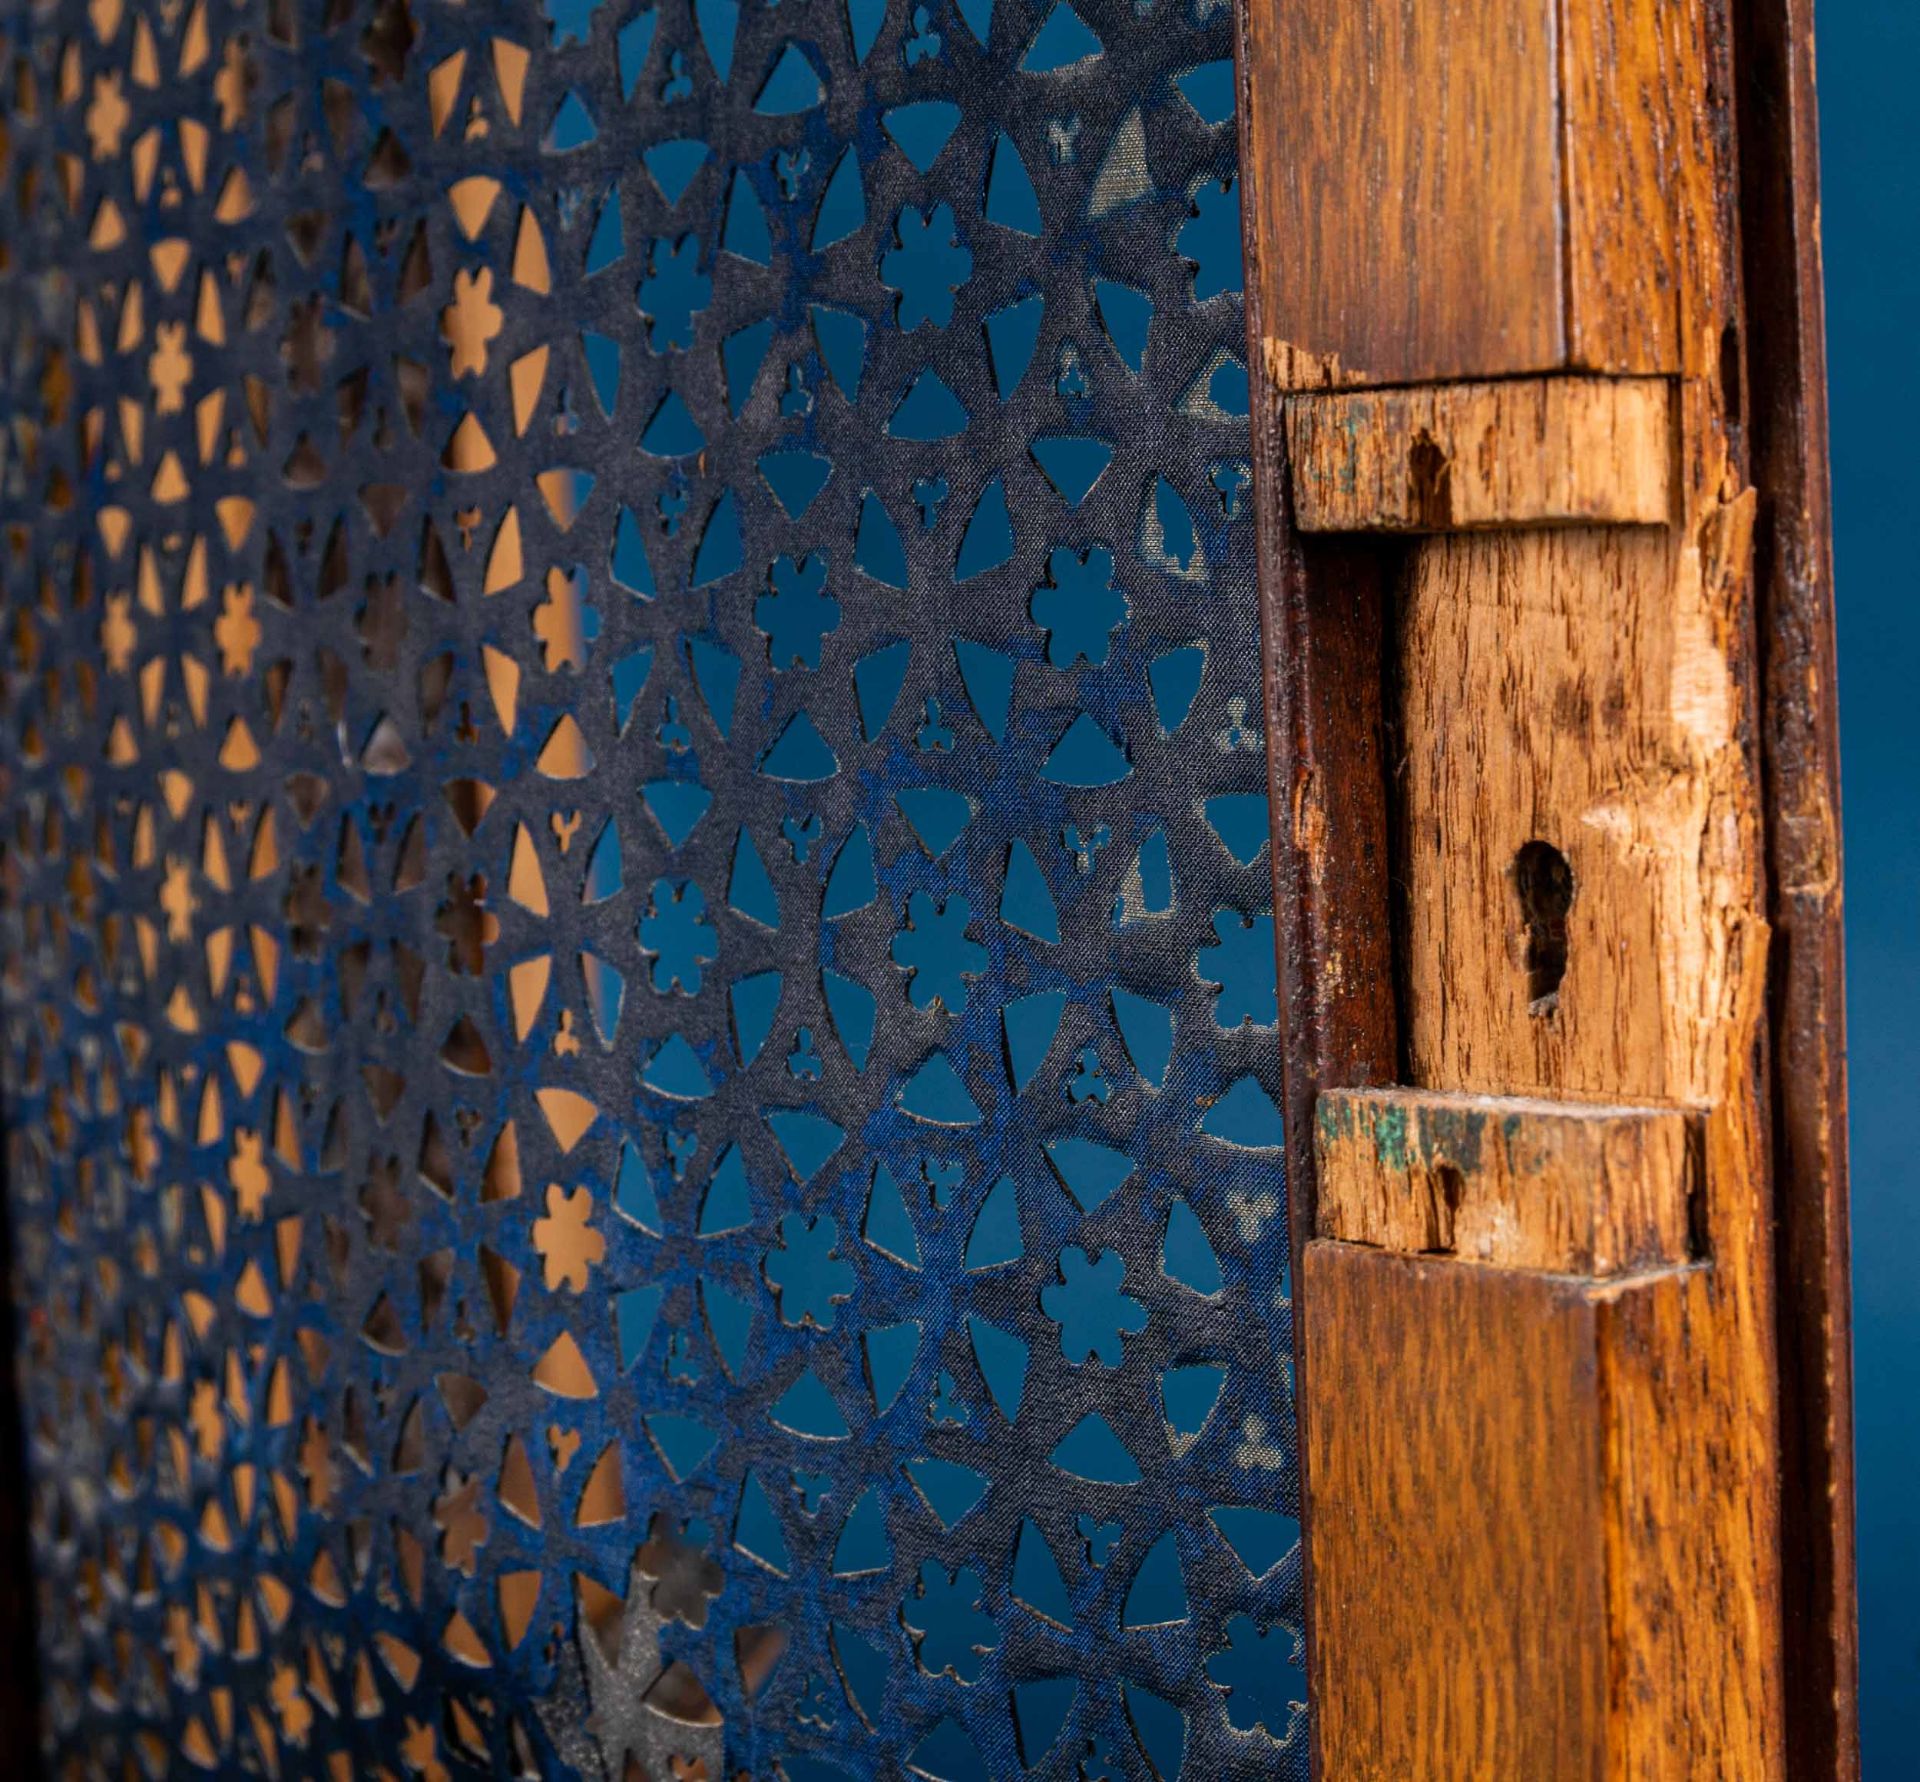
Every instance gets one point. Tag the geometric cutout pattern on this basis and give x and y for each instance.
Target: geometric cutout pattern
(641, 1060)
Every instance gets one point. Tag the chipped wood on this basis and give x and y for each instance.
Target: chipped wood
(1580, 820)
(1590, 692)
(1466, 457)
(1510, 1181)
(1580, 689)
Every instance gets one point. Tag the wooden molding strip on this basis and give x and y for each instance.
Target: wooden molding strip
(1531, 452)
(1783, 337)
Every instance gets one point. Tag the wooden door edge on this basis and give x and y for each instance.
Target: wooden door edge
(1785, 374)
(1333, 843)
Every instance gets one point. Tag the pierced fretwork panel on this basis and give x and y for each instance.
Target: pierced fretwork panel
(642, 1045)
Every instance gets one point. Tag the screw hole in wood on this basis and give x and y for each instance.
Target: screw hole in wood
(1450, 1188)
(1430, 478)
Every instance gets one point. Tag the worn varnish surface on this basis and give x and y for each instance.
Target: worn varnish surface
(1466, 457)
(1362, 192)
(1516, 1578)
(1644, 87)
(1483, 188)
(1508, 1180)
(1534, 1527)
(1511, 1561)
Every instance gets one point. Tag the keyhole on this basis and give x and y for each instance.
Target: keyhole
(1543, 881)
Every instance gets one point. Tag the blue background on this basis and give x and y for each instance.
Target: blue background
(1867, 52)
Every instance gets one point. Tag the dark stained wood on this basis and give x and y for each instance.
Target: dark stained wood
(1336, 844)
(1324, 608)
(1785, 368)
(1485, 1520)
(1649, 260)
(1388, 283)
(1324, 621)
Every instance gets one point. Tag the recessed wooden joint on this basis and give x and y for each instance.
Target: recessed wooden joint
(1513, 1181)
(1545, 451)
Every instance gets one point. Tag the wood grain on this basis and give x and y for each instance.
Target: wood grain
(1515, 1182)
(1597, 688)
(1647, 228)
(1391, 283)
(1324, 622)
(1578, 688)
(1541, 1529)
(1527, 452)
(1524, 186)
(1324, 605)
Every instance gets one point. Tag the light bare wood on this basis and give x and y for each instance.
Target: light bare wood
(1528, 452)
(1579, 689)
(1507, 1180)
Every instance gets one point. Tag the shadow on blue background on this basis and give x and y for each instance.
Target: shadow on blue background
(1867, 50)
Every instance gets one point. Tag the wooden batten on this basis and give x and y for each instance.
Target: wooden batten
(1511, 1181)
(1786, 420)
(1489, 1449)
(1551, 451)
(1522, 836)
